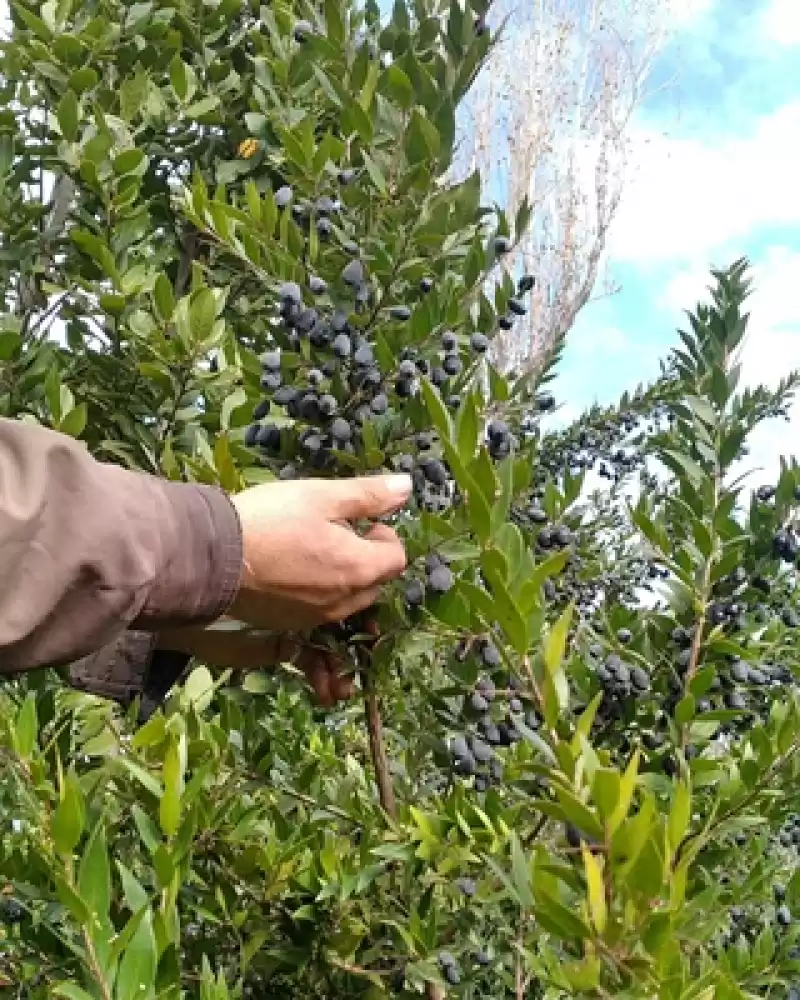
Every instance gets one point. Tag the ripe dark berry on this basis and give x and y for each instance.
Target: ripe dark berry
(446, 960)
(290, 292)
(624, 636)
(414, 594)
(286, 395)
(269, 438)
(515, 705)
(545, 401)
(783, 915)
(341, 429)
(353, 273)
(449, 340)
(505, 322)
(479, 343)
(302, 30)
(467, 886)
(452, 975)
(346, 176)
(251, 435)
(435, 472)
(525, 284)
(261, 410)
(426, 285)
(490, 655)
(441, 580)
(406, 369)
(481, 751)
(401, 313)
(271, 360)
(482, 957)
(364, 355)
(325, 228)
(502, 245)
(517, 307)
(497, 430)
(283, 196)
(765, 493)
(342, 346)
(562, 535)
(452, 364)
(328, 405)
(379, 404)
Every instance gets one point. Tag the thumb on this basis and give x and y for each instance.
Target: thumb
(363, 497)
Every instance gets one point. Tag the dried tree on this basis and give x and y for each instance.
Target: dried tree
(549, 120)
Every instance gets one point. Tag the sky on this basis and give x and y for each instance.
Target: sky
(715, 176)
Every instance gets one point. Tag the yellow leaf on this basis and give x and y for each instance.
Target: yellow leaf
(626, 789)
(248, 148)
(595, 890)
(679, 815)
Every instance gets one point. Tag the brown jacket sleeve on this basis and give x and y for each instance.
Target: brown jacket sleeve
(89, 551)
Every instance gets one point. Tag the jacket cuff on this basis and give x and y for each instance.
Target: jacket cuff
(201, 579)
(131, 666)
(117, 671)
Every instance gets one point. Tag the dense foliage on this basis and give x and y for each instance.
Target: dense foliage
(231, 252)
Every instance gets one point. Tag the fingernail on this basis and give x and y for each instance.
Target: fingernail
(399, 484)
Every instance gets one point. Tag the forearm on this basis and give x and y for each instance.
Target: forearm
(90, 550)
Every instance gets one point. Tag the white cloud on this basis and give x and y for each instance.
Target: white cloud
(683, 13)
(780, 23)
(687, 197)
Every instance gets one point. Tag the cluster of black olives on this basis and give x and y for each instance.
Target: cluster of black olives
(495, 718)
(451, 970)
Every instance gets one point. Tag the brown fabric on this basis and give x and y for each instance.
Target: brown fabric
(131, 666)
(88, 551)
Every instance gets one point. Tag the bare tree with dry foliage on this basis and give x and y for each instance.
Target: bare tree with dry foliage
(549, 120)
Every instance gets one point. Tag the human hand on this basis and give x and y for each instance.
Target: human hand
(304, 565)
(247, 651)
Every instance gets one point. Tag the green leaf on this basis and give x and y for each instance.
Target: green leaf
(26, 727)
(164, 298)
(521, 873)
(135, 895)
(595, 890)
(169, 812)
(69, 815)
(70, 991)
(627, 787)
(397, 86)
(374, 171)
(131, 161)
(74, 423)
(202, 314)
(437, 411)
(182, 79)
(232, 402)
(679, 815)
(556, 642)
(138, 965)
(605, 790)
(68, 116)
(94, 877)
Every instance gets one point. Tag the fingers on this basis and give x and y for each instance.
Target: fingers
(363, 497)
(359, 601)
(323, 672)
(372, 559)
(318, 675)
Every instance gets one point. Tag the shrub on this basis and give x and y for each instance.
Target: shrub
(552, 785)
